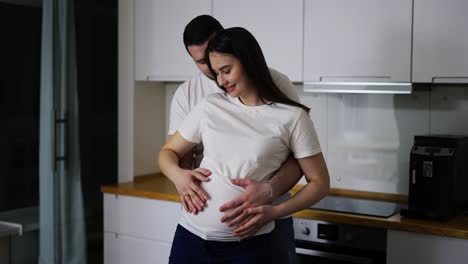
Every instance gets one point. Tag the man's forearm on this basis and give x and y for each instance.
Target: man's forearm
(285, 178)
(186, 161)
(168, 163)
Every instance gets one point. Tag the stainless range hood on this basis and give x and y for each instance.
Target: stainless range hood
(358, 87)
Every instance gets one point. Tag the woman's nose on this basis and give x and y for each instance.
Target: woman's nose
(221, 80)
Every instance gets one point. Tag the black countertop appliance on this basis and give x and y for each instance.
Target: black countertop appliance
(438, 177)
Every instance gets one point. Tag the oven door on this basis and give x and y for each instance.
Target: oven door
(321, 253)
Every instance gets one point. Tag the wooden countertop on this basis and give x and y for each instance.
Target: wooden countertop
(159, 187)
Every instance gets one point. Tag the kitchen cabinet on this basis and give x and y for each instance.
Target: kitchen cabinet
(160, 54)
(138, 230)
(357, 41)
(407, 247)
(122, 249)
(277, 25)
(440, 48)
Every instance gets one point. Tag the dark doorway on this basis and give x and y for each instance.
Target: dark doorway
(96, 24)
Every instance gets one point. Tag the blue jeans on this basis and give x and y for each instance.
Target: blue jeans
(188, 248)
(282, 242)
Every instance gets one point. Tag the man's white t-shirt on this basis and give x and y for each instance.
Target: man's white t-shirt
(241, 141)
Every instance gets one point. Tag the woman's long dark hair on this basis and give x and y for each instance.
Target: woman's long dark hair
(239, 43)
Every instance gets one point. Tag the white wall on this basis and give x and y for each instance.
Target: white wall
(367, 139)
(149, 126)
(126, 89)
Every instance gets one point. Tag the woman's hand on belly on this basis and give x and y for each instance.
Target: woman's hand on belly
(192, 195)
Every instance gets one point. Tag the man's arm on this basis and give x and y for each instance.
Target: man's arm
(179, 110)
(284, 84)
(259, 193)
(187, 182)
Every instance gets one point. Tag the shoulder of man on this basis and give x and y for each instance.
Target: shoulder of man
(195, 89)
(284, 84)
(186, 86)
(216, 97)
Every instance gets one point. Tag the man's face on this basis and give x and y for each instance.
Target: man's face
(198, 55)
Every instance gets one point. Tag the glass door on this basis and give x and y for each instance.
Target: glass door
(20, 60)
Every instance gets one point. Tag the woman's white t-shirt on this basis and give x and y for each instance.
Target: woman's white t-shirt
(241, 142)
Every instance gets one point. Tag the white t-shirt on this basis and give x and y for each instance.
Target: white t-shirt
(242, 142)
(191, 92)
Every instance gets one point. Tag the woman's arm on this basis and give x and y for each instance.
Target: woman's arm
(318, 185)
(187, 182)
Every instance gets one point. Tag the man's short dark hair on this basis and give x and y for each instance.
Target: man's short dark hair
(200, 29)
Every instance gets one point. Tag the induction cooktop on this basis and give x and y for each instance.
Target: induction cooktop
(358, 206)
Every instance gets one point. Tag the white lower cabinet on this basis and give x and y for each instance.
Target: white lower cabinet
(138, 230)
(122, 249)
(408, 247)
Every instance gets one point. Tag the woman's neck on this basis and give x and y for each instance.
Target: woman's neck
(250, 97)
(251, 100)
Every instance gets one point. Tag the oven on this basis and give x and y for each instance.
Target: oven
(321, 242)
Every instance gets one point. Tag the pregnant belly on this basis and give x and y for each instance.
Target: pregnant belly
(208, 221)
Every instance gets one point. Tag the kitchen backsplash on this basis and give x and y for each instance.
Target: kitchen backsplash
(367, 138)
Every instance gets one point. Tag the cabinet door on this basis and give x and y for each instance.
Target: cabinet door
(277, 25)
(160, 54)
(121, 249)
(440, 49)
(360, 40)
(407, 247)
(141, 217)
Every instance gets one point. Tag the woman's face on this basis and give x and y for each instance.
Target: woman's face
(230, 74)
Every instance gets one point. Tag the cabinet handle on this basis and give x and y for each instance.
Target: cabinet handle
(358, 87)
(449, 79)
(370, 79)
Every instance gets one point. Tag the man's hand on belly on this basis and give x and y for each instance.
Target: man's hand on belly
(256, 218)
(255, 194)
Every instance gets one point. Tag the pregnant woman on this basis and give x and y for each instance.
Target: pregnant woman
(247, 132)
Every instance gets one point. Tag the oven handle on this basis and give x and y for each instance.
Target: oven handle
(335, 256)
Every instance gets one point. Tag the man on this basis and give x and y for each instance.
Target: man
(197, 33)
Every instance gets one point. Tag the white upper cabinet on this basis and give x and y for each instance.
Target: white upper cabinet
(440, 48)
(360, 40)
(160, 54)
(277, 25)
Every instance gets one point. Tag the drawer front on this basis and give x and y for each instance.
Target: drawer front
(141, 217)
(121, 249)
